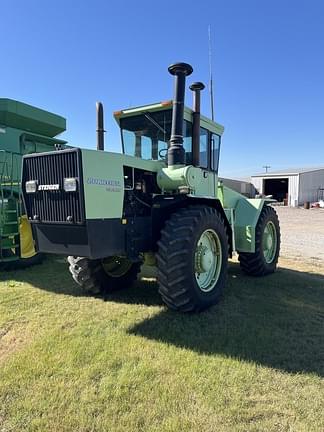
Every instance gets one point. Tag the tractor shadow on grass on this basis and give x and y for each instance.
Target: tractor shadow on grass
(53, 276)
(276, 321)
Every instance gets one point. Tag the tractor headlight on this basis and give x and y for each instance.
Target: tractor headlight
(31, 186)
(70, 184)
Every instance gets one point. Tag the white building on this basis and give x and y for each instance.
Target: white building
(295, 186)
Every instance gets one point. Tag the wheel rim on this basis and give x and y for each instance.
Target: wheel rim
(269, 242)
(116, 266)
(208, 260)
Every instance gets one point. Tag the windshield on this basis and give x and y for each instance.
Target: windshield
(147, 135)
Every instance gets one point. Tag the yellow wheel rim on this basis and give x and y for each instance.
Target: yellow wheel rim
(27, 248)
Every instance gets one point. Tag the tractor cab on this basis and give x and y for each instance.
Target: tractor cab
(146, 133)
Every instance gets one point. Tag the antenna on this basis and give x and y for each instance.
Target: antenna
(211, 93)
(266, 167)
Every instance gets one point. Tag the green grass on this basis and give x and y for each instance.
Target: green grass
(255, 362)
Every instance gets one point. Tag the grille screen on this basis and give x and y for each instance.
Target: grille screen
(51, 169)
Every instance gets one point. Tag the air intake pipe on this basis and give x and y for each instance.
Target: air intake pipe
(196, 89)
(176, 152)
(100, 127)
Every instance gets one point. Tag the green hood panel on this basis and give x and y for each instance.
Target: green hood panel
(104, 181)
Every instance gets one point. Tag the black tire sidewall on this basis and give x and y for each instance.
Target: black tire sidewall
(269, 215)
(214, 222)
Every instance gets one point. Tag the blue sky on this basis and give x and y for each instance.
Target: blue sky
(268, 62)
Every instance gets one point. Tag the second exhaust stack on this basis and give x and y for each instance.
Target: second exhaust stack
(196, 88)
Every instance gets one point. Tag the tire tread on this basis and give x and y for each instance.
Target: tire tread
(253, 264)
(173, 248)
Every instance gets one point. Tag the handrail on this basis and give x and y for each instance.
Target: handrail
(9, 175)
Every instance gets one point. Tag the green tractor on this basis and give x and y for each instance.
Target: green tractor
(23, 129)
(159, 201)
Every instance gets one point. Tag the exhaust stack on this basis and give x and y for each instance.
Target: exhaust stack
(100, 127)
(176, 153)
(196, 89)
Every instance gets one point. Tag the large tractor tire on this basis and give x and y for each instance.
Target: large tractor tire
(192, 259)
(103, 275)
(267, 245)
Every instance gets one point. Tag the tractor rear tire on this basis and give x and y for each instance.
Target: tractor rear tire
(267, 246)
(192, 259)
(103, 275)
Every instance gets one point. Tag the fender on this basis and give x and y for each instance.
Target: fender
(165, 205)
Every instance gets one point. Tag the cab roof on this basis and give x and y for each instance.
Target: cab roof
(159, 106)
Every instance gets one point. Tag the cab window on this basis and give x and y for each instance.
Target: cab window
(187, 141)
(203, 151)
(215, 148)
(147, 135)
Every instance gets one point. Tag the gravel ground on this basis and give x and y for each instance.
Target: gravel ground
(302, 233)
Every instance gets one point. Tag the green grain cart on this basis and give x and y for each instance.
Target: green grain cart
(23, 129)
(159, 201)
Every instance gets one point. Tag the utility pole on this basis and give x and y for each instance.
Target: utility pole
(266, 167)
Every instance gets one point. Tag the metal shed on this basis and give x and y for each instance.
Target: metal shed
(292, 187)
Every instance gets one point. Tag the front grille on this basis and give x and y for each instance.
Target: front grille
(51, 169)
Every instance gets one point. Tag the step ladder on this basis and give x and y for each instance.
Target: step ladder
(9, 231)
(9, 210)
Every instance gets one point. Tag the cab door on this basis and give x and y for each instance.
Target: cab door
(209, 158)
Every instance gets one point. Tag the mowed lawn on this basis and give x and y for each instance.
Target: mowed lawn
(254, 362)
